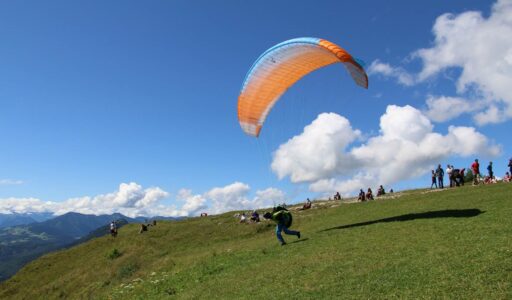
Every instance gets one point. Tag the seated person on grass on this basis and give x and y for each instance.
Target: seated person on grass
(489, 180)
(243, 218)
(507, 177)
(255, 217)
(369, 194)
(381, 191)
(307, 205)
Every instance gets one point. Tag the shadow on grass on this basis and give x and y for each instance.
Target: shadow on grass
(449, 213)
(299, 241)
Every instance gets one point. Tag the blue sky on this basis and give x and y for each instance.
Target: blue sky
(94, 94)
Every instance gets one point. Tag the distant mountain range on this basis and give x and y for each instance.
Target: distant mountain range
(22, 243)
(14, 219)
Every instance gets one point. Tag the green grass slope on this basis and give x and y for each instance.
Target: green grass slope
(450, 244)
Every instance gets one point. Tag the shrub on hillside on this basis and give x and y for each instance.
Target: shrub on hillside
(113, 254)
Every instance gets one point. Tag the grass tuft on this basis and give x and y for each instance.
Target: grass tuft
(127, 270)
(113, 254)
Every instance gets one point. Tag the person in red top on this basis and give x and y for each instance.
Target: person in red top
(475, 168)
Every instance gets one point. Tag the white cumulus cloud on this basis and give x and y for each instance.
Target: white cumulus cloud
(235, 197)
(309, 156)
(481, 48)
(25, 205)
(130, 199)
(492, 114)
(406, 147)
(193, 203)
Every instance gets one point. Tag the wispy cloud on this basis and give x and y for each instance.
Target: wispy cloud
(442, 108)
(10, 182)
(401, 75)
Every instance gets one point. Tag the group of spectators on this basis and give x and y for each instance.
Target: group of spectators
(254, 217)
(456, 176)
(369, 193)
(143, 227)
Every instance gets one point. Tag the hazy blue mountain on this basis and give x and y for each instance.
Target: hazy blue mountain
(40, 217)
(7, 220)
(15, 219)
(74, 225)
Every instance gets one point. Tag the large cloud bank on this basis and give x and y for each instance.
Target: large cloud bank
(406, 147)
(482, 49)
(132, 200)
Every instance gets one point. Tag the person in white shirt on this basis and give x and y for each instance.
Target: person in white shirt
(243, 218)
(449, 171)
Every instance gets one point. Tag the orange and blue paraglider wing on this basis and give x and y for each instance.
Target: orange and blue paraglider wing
(279, 68)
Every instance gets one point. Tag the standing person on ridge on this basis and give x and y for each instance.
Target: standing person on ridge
(440, 175)
(475, 168)
(113, 229)
(449, 173)
(510, 165)
(489, 169)
(283, 218)
(433, 180)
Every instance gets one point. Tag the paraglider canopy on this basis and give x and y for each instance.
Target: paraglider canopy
(279, 68)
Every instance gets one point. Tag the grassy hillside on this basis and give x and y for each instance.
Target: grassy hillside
(22, 244)
(454, 243)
